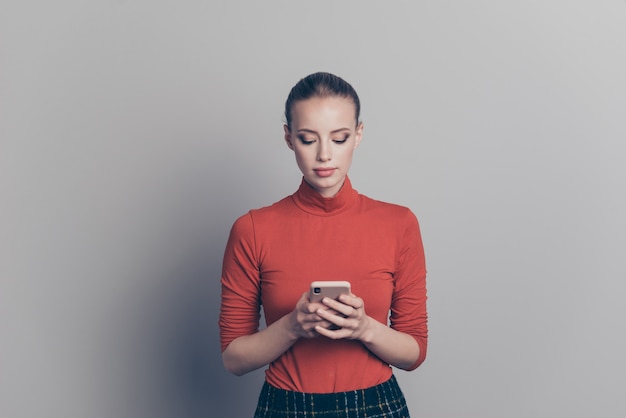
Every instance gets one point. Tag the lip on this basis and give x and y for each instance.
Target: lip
(324, 171)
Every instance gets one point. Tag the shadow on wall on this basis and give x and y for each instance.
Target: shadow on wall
(171, 357)
(178, 353)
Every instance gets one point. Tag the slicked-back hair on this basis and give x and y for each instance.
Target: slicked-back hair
(321, 84)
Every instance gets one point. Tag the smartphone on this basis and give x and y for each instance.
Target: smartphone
(331, 289)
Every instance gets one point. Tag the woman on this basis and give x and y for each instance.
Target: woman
(331, 358)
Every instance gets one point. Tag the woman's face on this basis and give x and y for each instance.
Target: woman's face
(324, 135)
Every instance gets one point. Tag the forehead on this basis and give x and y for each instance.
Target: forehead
(324, 111)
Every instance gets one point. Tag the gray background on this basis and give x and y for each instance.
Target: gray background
(133, 133)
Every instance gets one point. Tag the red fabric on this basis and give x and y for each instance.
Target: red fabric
(274, 253)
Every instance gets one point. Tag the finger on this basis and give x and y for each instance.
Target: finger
(339, 307)
(332, 334)
(351, 300)
(337, 320)
(342, 309)
(314, 318)
(326, 325)
(310, 308)
(304, 305)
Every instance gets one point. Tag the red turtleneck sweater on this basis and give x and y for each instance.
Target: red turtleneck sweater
(274, 253)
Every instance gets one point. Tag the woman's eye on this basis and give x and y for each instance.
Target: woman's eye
(340, 141)
(306, 141)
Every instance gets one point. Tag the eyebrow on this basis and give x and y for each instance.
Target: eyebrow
(311, 131)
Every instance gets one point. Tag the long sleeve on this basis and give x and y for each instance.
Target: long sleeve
(408, 305)
(240, 308)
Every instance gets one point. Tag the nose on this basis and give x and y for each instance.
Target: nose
(324, 152)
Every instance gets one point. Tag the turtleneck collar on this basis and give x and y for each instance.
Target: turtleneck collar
(310, 200)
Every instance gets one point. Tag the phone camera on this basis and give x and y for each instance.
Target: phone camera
(317, 290)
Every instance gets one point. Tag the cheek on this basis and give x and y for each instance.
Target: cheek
(346, 154)
(302, 158)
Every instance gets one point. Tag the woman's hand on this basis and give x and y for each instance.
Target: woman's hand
(249, 352)
(348, 314)
(305, 319)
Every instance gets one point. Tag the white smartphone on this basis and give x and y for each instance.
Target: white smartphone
(331, 289)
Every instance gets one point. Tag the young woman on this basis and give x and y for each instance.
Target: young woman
(331, 358)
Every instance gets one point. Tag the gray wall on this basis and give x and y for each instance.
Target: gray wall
(133, 133)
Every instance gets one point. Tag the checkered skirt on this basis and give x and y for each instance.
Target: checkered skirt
(381, 401)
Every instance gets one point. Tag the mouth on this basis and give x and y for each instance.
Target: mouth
(324, 171)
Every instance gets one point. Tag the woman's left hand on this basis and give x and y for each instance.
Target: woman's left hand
(352, 320)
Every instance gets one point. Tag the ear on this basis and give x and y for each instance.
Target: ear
(288, 137)
(358, 135)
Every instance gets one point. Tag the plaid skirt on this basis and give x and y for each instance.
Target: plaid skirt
(381, 401)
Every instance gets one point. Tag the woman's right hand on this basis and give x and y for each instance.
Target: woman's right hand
(304, 318)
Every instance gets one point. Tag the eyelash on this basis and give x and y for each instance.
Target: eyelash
(336, 141)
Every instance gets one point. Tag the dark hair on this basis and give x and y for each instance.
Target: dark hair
(321, 85)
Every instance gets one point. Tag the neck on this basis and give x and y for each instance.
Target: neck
(330, 192)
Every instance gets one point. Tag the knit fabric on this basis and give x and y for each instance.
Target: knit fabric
(274, 253)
